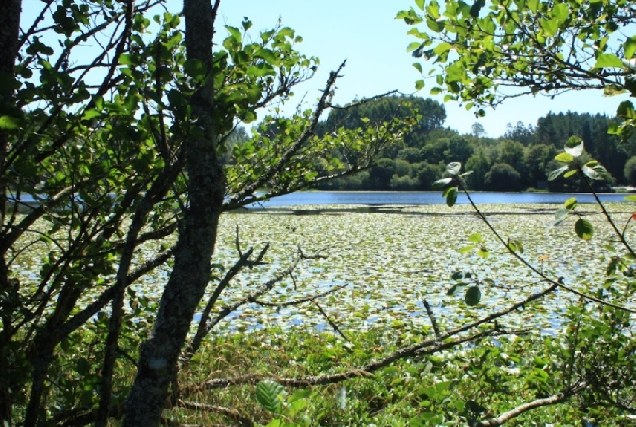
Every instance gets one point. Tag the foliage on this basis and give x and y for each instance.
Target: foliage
(503, 177)
(544, 47)
(115, 164)
(630, 171)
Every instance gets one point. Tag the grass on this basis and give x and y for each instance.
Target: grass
(391, 260)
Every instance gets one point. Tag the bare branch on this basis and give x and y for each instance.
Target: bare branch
(552, 400)
(301, 300)
(332, 323)
(431, 316)
(234, 414)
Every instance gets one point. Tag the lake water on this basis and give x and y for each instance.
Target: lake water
(426, 198)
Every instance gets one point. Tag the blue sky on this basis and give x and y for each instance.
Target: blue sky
(373, 42)
(367, 35)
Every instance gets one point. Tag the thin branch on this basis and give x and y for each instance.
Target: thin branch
(234, 414)
(301, 300)
(425, 347)
(535, 270)
(552, 400)
(431, 316)
(266, 287)
(332, 323)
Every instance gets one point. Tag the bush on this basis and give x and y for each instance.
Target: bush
(502, 177)
(630, 171)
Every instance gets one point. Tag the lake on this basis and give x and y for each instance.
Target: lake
(426, 198)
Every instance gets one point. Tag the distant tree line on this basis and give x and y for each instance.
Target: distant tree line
(519, 160)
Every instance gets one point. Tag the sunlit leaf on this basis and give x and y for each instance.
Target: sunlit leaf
(558, 172)
(453, 168)
(451, 196)
(583, 228)
(441, 183)
(475, 238)
(564, 157)
(574, 146)
(608, 60)
(466, 249)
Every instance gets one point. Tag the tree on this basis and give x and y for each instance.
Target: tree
(477, 130)
(502, 177)
(630, 171)
(536, 161)
(102, 157)
(492, 51)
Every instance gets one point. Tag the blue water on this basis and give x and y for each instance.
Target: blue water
(426, 198)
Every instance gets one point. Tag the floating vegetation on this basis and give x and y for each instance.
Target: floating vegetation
(392, 259)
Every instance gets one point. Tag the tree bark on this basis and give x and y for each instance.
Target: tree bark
(9, 33)
(194, 248)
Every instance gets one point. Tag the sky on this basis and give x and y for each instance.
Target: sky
(366, 34)
(373, 42)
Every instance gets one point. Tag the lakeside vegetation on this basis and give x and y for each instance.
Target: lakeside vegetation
(389, 262)
(132, 295)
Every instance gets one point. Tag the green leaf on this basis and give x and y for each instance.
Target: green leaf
(629, 47)
(608, 60)
(466, 249)
(558, 172)
(235, 33)
(475, 238)
(8, 122)
(483, 252)
(569, 173)
(473, 296)
(442, 48)
(419, 84)
(630, 198)
(418, 67)
(515, 246)
(267, 394)
(451, 196)
(268, 56)
(83, 367)
(564, 157)
(420, 4)
(583, 228)
(570, 203)
(300, 394)
(625, 110)
(412, 46)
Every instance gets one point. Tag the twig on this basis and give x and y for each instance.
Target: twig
(332, 323)
(301, 300)
(228, 412)
(507, 416)
(266, 287)
(431, 316)
(558, 282)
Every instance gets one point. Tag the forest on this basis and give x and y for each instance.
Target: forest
(519, 160)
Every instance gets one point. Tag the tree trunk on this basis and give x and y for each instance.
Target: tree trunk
(9, 33)
(193, 252)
